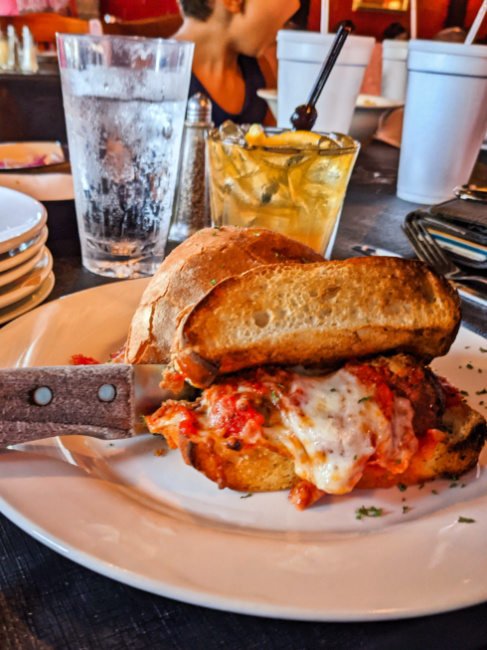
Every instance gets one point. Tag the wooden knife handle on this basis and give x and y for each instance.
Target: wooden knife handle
(95, 400)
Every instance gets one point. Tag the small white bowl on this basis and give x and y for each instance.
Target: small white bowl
(270, 96)
(367, 114)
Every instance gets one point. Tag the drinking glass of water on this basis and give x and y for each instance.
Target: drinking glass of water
(124, 102)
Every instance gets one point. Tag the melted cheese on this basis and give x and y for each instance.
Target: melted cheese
(338, 426)
(332, 426)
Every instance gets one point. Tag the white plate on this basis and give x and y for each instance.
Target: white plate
(19, 155)
(22, 306)
(24, 286)
(156, 524)
(21, 218)
(377, 103)
(23, 252)
(22, 269)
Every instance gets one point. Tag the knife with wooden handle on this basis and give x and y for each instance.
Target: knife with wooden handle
(104, 401)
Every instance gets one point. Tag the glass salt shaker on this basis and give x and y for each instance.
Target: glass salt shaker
(28, 60)
(191, 209)
(13, 49)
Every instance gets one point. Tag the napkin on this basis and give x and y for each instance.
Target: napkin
(42, 187)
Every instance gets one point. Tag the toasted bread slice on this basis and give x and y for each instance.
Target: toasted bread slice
(317, 314)
(190, 271)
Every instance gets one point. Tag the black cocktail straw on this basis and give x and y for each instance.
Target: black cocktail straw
(304, 117)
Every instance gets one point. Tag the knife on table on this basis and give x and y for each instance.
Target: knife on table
(469, 293)
(104, 401)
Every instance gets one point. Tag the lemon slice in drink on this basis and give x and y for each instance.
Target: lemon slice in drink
(293, 139)
(257, 137)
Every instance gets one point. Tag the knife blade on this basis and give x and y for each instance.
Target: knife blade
(469, 293)
(104, 401)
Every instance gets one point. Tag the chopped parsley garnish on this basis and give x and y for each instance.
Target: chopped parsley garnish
(465, 520)
(481, 392)
(334, 390)
(364, 399)
(257, 234)
(275, 396)
(402, 487)
(213, 281)
(355, 457)
(368, 512)
(246, 496)
(469, 366)
(482, 350)
(405, 509)
(454, 484)
(464, 392)
(143, 420)
(421, 486)
(434, 492)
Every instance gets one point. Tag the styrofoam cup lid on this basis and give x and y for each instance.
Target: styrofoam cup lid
(392, 49)
(313, 47)
(441, 57)
(445, 47)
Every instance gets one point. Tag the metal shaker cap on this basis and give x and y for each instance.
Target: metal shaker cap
(199, 109)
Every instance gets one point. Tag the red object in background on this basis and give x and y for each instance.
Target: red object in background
(431, 17)
(130, 10)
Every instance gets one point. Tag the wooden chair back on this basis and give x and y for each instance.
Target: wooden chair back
(160, 27)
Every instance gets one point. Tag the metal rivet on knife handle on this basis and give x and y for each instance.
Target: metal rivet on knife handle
(42, 395)
(107, 393)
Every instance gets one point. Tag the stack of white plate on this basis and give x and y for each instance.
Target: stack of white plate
(26, 277)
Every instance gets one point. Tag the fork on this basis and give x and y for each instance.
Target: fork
(428, 250)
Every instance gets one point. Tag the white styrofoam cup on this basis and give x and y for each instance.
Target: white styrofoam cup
(445, 119)
(394, 69)
(301, 56)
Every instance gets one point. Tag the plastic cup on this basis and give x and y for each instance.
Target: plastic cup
(301, 56)
(124, 102)
(445, 119)
(394, 69)
(294, 186)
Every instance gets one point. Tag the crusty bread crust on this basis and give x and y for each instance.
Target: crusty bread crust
(262, 470)
(317, 314)
(190, 271)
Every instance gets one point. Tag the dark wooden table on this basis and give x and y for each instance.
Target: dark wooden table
(31, 107)
(48, 602)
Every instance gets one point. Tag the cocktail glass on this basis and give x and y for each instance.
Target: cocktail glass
(292, 182)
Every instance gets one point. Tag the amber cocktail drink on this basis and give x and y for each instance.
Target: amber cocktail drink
(293, 182)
